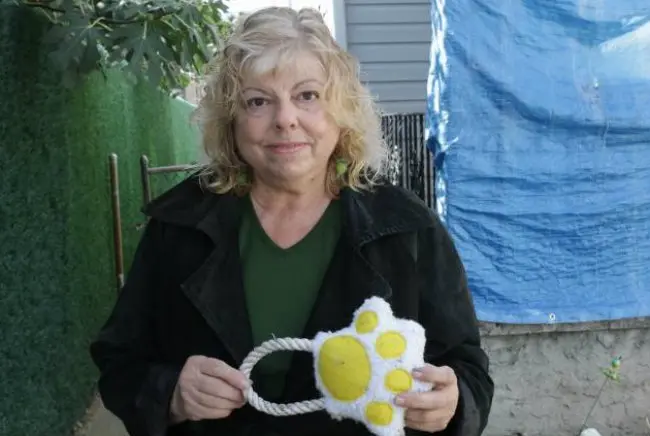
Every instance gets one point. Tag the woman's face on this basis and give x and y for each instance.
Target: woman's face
(282, 129)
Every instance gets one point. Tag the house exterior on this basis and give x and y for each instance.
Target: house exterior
(391, 39)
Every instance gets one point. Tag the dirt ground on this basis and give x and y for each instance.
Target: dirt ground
(101, 422)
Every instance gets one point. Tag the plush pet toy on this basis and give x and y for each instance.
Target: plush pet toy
(359, 369)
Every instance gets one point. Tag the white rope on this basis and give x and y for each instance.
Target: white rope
(268, 347)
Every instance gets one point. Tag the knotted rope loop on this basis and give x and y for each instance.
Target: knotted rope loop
(266, 348)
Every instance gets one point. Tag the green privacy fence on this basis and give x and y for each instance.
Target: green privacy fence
(56, 263)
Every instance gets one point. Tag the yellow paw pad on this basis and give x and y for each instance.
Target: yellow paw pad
(344, 367)
(366, 322)
(390, 345)
(380, 414)
(398, 381)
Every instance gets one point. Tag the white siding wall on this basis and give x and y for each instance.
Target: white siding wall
(391, 39)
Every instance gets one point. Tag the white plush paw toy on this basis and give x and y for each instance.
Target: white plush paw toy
(359, 369)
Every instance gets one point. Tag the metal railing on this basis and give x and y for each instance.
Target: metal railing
(410, 163)
(146, 171)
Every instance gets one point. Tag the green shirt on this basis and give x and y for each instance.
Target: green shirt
(281, 286)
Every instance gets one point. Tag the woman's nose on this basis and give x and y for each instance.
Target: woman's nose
(286, 116)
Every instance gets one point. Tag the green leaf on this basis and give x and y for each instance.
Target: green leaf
(155, 73)
(125, 32)
(215, 33)
(128, 12)
(136, 46)
(158, 45)
(199, 48)
(186, 54)
(90, 59)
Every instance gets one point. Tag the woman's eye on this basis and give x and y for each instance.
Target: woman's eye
(309, 95)
(255, 102)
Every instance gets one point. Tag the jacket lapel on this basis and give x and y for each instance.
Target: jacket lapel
(216, 288)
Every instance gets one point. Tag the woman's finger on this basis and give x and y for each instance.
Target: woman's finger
(422, 400)
(423, 416)
(197, 412)
(219, 388)
(212, 402)
(439, 376)
(219, 369)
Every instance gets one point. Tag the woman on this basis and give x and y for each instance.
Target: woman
(285, 234)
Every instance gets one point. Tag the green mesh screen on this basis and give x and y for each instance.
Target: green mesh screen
(56, 257)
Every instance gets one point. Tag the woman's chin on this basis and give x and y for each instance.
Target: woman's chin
(294, 174)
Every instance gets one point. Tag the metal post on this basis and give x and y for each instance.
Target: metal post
(171, 168)
(117, 221)
(144, 176)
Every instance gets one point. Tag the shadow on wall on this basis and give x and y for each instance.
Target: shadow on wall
(56, 264)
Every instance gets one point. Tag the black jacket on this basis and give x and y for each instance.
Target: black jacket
(184, 296)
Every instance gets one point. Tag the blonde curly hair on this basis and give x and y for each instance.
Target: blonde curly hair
(263, 42)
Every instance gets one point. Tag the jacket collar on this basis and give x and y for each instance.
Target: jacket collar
(386, 210)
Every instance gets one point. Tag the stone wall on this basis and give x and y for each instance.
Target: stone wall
(547, 378)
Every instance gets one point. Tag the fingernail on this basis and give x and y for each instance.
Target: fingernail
(417, 373)
(399, 401)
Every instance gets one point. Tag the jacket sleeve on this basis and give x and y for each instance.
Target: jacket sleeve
(134, 384)
(453, 339)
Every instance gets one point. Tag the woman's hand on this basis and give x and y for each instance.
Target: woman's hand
(431, 411)
(207, 389)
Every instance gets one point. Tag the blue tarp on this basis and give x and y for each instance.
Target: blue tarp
(539, 115)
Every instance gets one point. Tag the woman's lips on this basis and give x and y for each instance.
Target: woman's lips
(287, 147)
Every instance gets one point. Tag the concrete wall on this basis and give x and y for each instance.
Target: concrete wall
(547, 378)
